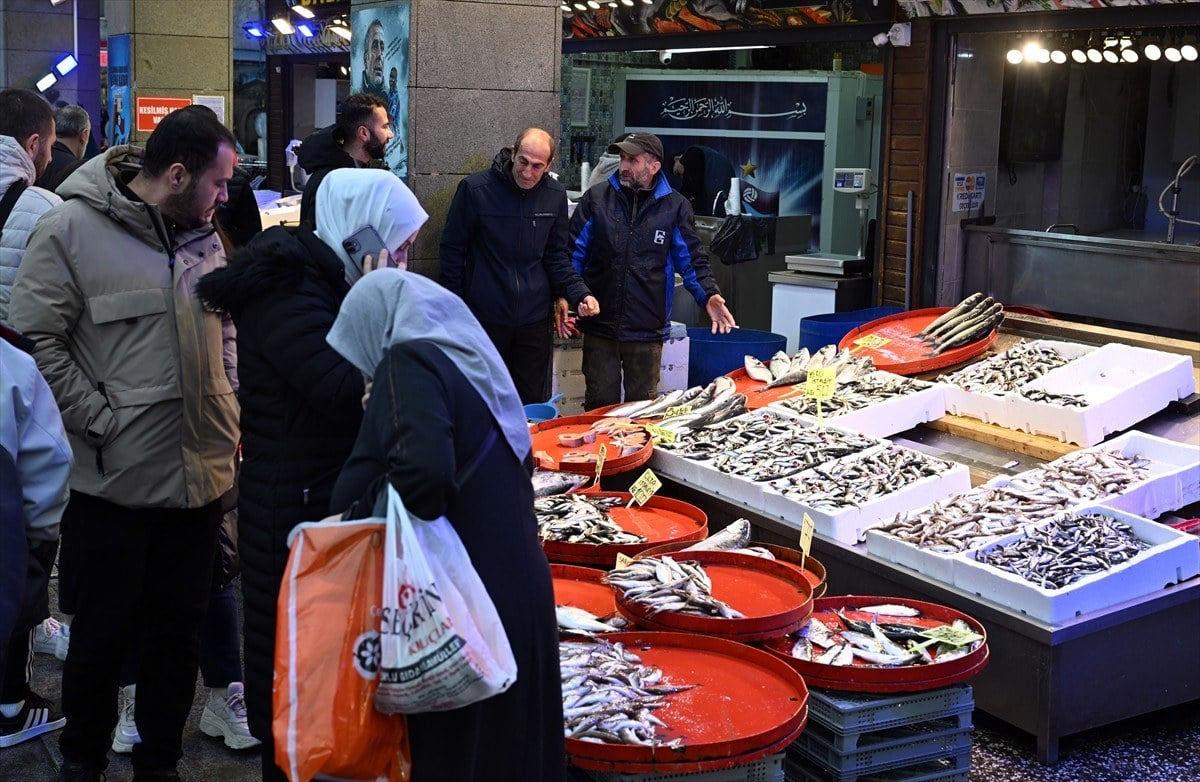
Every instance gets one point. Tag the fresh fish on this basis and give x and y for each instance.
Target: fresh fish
(735, 536)
(802, 649)
(662, 584)
(576, 620)
(850, 483)
(971, 330)
(885, 660)
(757, 370)
(939, 332)
(858, 393)
(783, 455)
(841, 639)
(547, 483)
(966, 305)
(1021, 364)
(1059, 400)
(780, 364)
(578, 518)
(889, 609)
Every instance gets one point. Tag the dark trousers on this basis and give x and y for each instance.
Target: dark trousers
(526, 352)
(147, 574)
(607, 364)
(35, 606)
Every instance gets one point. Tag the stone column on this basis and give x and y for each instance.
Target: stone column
(180, 49)
(34, 35)
(480, 71)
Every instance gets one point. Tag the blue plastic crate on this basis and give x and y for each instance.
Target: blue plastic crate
(953, 768)
(846, 712)
(882, 750)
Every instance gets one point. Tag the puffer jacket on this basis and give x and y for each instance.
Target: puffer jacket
(142, 373)
(16, 166)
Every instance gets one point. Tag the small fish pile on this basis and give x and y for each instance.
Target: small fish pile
(691, 408)
(974, 318)
(662, 584)
(852, 482)
(704, 444)
(576, 621)
(1066, 550)
(779, 457)
(1084, 475)
(1050, 398)
(858, 393)
(892, 638)
(785, 370)
(609, 696)
(576, 518)
(973, 518)
(1022, 363)
(547, 483)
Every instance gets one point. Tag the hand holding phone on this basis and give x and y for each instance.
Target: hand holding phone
(365, 248)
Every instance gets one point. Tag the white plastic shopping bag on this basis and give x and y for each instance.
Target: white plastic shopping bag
(443, 646)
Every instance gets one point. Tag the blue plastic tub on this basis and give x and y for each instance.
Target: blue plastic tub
(711, 355)
(817, 331)
(542, 411)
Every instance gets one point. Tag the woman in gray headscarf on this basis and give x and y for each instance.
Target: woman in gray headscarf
(445, 427)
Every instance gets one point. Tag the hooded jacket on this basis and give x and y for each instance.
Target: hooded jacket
(504, 249)
(16, 166)
(141, 372)
(318, 155)
(628, 247)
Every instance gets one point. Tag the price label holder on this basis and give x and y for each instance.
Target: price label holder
(660, 434)
(869, 342)
(678, 410)
(819, 387)
(951, 636)
(623, 561)
(806, 534)
(601, 455)
(644, 488)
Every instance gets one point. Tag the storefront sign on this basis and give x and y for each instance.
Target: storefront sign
(150, 111)
(712, 104)
(214, 102)
(969, 192)
(379, 65)
(675, 17)
(120, 104)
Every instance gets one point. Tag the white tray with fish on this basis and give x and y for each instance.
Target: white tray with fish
(1171, 556)
(935, 565)
(885, 417)
(1119, 385)
(992, 406)
(849, 523)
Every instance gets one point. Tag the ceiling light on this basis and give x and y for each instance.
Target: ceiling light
(1079, 55)
(1129, 55)
(1110, 55)
(566, 9)
(1094, 55)
(46, 82)
(300, 10)
(66, 65)
(1015, 57)
(304, 30)
(613, 4)
(593, 4)
(648, 2)
(345, 71)
(341, 32)
(580, 7)
(626, 2)
(1189, 52)
(1126, 42)
(283, 25)
(1058, 56)
(1152, 52)
(716, 49)
(253, 29)
(1031, 51)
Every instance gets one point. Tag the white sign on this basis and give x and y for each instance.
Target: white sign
(969, 190)
(214, 102)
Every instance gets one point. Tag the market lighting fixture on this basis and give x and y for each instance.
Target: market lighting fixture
(566, 9)
(304, 30)
(1129, 55)
(1152, 52)
(283, 25)
(1110, 56)
(253, 29)
(341, 32)
(345, 71)
(1094, 55)
(716, 49)
(66, 65)
(302, 11)
(1079, 55)
(580, 7)
(626, 2)
(593, 4)
(1058, 56)
(1015, 57)
(1189, 52)
(46, 82)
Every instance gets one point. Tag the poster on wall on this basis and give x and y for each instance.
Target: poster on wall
(379, 65)
(672, 17)
(120, 103)
(969, 191)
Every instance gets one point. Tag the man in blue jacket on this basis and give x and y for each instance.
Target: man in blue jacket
(630, 236)
(504, 252)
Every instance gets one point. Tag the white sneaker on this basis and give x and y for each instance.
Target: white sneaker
(126, 734)
(225, 717)
(52, 637)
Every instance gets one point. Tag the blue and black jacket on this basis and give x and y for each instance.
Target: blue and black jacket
(627, 247)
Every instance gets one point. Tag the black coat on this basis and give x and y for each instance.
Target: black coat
(239, 216)
(628, 247)
(301, 407)
(424, 427)
(504, 249)
(62, 163)
(318, 155)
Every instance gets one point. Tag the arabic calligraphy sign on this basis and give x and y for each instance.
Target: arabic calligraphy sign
(791, 106)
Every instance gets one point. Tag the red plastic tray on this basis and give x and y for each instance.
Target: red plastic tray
(862, 678)
(583, 587)
(660, 520)
(757, 393)
(905, 354)
(747, 705)
(813, 571)
(775, 598)
(545, 440)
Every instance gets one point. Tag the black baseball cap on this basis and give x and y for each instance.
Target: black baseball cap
(636, 144)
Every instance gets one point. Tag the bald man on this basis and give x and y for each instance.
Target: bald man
(504, 251)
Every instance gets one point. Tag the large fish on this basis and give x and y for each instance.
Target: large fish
(757, 370)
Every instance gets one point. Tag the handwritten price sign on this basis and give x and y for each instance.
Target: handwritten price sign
(601, 455)
(623, 561)
(678, 410)
(951, 636)
(806, 534)
(821, 383)
(660, 434)
(644, 487)
(871, 342)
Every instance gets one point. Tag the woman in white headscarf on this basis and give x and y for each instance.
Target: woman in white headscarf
(445, 427)
(301, 400)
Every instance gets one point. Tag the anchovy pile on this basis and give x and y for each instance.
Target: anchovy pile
(974, 318)
(857, 394)
(609, 696)
(1022, 363)
(886, 641)
(662, 584)
(785, 370)
(576, 518)
(1084, 475)
(1049, 398)
(1066, 550)
(974, 518)
(852, 482)
(547, 483)
(779, 457)
(704, 444)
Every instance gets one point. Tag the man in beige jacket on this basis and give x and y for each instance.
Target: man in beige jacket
(144, 378)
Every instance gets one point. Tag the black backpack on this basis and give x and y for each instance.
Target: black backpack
(10, 201)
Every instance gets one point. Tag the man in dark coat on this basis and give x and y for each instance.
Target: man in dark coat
(358, 138)
(504, 252)
(73, 128)
(239, 217)
(301, 407)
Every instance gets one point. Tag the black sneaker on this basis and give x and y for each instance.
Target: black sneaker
(77, 772)
(36, 717)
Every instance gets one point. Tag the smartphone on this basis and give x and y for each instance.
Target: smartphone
(363, 242)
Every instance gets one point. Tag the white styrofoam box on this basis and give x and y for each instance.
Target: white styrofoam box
(890, 416)
(933, 564)
(848, 525)
(1124, 384)
(994, 408)
(1174, 556)
(671, 465)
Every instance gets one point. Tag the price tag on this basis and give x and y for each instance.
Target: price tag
(678, 410)
(660, 434)
(623, 561)
(951, 636)
(601, 455)
(821, 383)
(871, 341)
(644, 487)
(806, 532)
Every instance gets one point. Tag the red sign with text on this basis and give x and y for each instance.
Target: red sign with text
(150, 111)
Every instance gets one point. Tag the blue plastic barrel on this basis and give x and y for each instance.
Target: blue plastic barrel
(817, 331)
(711, 355)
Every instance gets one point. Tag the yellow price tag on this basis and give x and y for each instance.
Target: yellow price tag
(871, 341)
(644, 487)
(601, 455)
(623, 561)
(806, 534)
(951, 636)
(678, 410)
(661, 435)
(821, 383)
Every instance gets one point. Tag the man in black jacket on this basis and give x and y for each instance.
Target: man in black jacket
(73, 128)
(630, 236)
(504, 251)
(359, 138)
